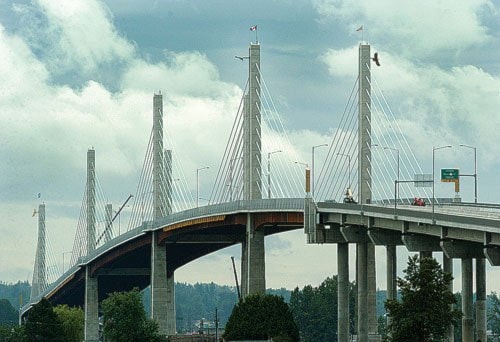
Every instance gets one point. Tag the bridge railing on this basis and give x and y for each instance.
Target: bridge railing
(275, 204)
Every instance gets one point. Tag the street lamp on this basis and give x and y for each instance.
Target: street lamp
(300, 163)
(397, 155)
(397, 164)
(348, 168)
(475, 170)
(198, 184)
(434, 149)
(312, 166)
(269, 171)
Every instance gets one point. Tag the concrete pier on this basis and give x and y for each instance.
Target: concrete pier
(159, 288)
(362, 271)
(467, 320)
(372, 293)
(171, 313)
(481, 299)
(343, 292)
(91, 327)
(391, 261)
(254, 280)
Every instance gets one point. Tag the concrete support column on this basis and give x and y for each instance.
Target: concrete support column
(159, 291)
(448, 268)
(343, 292)
(244, 268)
(391, 274)
(171, 314)
(91, 331)
(481, 299)
(255, 256)
(362, 249)
(372, 293)
(467, 321)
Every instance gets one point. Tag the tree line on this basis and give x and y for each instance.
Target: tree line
(313, 309)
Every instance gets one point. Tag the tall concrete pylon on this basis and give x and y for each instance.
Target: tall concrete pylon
(162, 286)
(91, 328)
(158, 165)
(91, 218)
(367, 314)
(253, 251)
(39, 282)
(364, 126)
(252, 129)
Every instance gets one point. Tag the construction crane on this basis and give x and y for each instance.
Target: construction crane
(236, 279)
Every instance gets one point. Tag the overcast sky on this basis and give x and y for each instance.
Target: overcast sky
(81, 74)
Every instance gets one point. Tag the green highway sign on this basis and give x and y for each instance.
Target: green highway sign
(449, 175)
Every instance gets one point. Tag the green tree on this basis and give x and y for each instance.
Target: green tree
(125, 319)
(13, 334)
(42, 323)
(457, 326)
(424, 313)
(261, 317)
(72, 322)
(494, 314)
(315, 310)
(8, 315)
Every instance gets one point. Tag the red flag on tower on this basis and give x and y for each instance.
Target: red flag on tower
(253, 28)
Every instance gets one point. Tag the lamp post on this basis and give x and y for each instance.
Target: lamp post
(434, 149)
(397, 156)
(397, 164)
(115, 212)
(475, 170)
(269, 171)
(312, 166)
(198, 184)
(348, 168)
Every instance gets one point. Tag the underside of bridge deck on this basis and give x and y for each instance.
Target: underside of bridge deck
(129, 265)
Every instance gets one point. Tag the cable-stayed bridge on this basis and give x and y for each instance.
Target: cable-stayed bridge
(362, 195)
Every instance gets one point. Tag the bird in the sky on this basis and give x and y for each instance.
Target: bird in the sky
(34, 213)
(375, 59)
(241, 58)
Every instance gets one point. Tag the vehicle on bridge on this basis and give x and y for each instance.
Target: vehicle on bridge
(419, 202)
(349, 197)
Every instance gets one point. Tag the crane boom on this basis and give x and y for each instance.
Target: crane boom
(236, 279)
